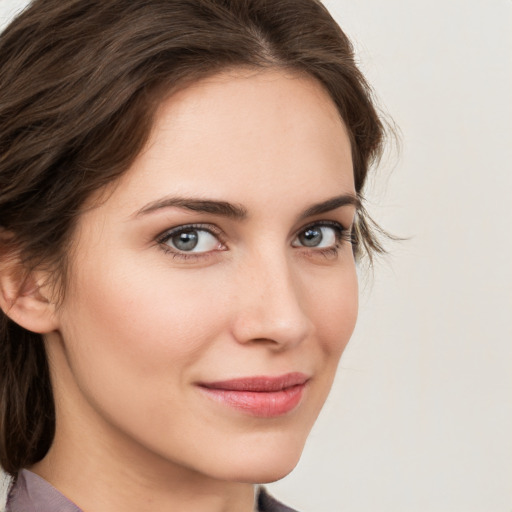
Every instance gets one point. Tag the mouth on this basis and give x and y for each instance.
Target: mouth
(261, 396)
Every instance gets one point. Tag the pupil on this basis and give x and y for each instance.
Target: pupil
(185, 241)
(311, 237)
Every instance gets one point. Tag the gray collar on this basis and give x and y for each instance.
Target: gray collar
(31, 493)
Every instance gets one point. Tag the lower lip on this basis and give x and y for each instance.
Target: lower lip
(259, 403)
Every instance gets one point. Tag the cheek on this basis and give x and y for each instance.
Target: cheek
(334, 307)
(142, 320)
(134, 338)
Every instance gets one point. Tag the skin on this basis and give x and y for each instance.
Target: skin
(141, 325)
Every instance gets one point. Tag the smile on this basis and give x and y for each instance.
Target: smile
(265, 397)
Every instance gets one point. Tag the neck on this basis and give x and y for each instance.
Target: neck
(98, 467)
(106, 485)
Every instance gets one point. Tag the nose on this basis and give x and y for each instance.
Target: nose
(271, 304)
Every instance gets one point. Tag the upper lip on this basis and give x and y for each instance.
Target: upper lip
(260, 384)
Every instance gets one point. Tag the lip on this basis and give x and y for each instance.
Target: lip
(261, 396)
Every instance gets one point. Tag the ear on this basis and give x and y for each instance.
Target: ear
(23, 298)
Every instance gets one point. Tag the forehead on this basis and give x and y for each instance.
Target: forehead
(242, 133)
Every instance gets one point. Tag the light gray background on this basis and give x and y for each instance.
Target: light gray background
(420, 418)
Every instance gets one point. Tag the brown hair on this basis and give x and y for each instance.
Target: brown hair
(80, 81)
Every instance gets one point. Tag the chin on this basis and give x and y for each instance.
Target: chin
(263, 475)
(267, 477)
(264, 465)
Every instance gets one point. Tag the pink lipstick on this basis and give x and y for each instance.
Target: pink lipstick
(266, 397)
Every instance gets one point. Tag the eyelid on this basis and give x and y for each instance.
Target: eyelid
(210, 228)
(166, 235)
(342, 234)
(328, 223)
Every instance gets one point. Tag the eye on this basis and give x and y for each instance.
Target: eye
(190, 239)
(319, 236)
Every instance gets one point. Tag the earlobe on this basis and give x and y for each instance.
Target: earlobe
(22, 300)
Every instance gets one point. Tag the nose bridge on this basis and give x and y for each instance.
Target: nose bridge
(271, 305)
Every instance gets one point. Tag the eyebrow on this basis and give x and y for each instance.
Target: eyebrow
(332, 204)
(239, 212)
(222, 208)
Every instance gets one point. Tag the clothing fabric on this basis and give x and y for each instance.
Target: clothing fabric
(31, 493)
(266, 503)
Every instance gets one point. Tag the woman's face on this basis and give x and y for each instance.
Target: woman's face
(212, 293)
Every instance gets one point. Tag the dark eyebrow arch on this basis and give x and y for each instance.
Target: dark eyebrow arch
(239, 212)
(222, 208)
(332, 204)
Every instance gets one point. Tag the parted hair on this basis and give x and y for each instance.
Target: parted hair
(80, 81)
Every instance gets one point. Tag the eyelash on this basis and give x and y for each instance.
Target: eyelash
(342, 234)
(163, 238)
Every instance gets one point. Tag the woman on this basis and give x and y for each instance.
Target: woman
(180, 214)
